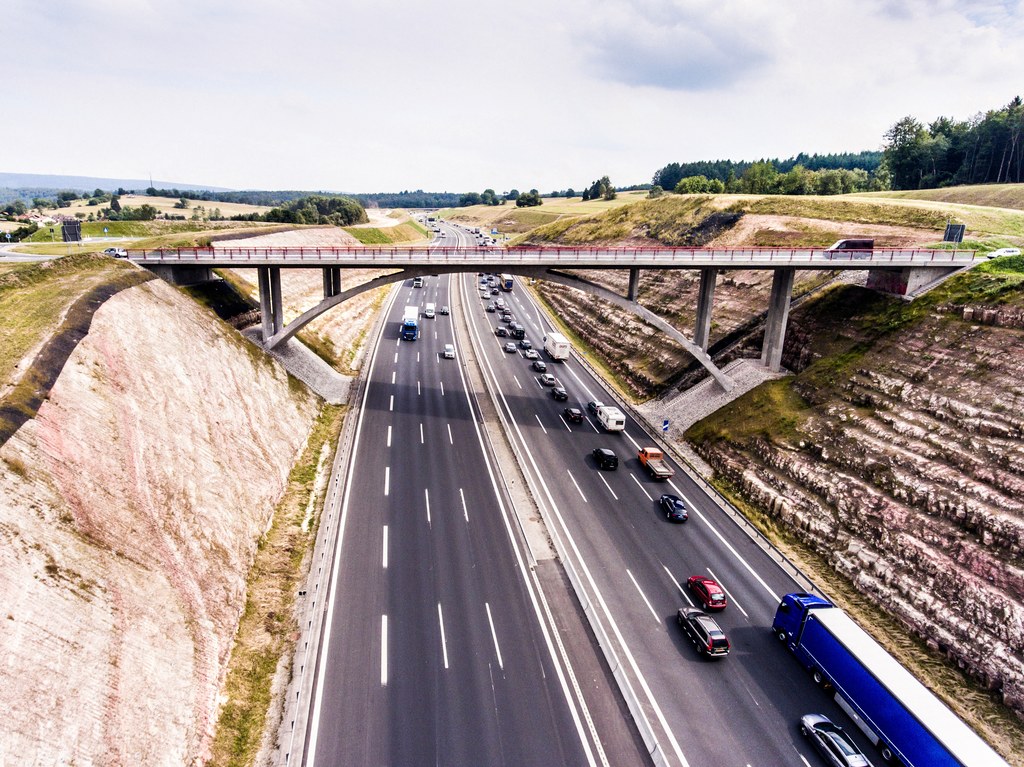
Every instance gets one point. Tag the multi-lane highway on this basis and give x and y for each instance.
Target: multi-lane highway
(738, 710)
(438, 648)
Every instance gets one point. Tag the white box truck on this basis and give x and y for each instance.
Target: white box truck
(557, 346)
(611, 418)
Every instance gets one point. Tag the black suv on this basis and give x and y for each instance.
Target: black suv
(705, 633)
(605, 458)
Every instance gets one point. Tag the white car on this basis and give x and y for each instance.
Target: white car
(122, 253)
(1004, 252)
(449, 352)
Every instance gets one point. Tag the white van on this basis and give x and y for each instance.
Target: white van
(429, 311)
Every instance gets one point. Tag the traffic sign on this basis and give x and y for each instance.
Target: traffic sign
(664, 425)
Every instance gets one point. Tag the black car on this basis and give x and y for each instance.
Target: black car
(605, 458)
(561, 395)
(501, 332)
(491, 308)
(573, 415)
(539, 365)
(593, 406)
(674, 508)
(494, 291)
(705, 633)
(832, 742)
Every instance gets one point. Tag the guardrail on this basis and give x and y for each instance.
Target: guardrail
(524, 256)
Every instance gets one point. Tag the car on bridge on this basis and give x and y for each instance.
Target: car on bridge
(116, 252)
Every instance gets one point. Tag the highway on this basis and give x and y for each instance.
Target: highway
(739, 710)
(438, 649)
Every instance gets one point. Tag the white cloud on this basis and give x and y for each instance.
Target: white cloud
(461, 95)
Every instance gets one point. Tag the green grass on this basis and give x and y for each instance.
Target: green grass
(772, 411)
(392, 235)
(987, 195)
(267, 632)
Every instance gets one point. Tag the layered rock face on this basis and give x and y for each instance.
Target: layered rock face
(130, 510)
(906, 472)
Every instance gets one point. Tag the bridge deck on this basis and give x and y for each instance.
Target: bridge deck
(579, 258)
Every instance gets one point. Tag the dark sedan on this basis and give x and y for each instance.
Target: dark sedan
(673, 508)
(573, 415)
(561, 395)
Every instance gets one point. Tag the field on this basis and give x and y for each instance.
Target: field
(166, 205)
(988, 195)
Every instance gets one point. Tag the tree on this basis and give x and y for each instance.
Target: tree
(181, 204)
(42, 203)
(529, 199)
(513, 195)
(656, 191)
(760, 178)
(669, 176)
(699, 185)
(115, 204)
(904, 153)
(488, 197)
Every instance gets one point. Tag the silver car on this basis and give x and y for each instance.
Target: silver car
(832, 741)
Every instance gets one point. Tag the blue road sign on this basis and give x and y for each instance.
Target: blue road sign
(664, 425)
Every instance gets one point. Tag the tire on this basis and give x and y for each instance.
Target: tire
(781, 635)
(887, 753)
(818, 677)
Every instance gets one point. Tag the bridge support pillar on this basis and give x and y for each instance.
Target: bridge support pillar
(178, 274)
(705, 297)
(271, 311)
(634, 281)
(332, 281)
(907, 281)
(778, 316)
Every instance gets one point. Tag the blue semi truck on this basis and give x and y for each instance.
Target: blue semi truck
(410, 330)
(894, 710)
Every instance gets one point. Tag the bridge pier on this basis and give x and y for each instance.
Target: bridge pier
(182, 274)
(778, 316)
(705, 297)
(634, 281)
(906, 281)
(332, 281)
(271, 311)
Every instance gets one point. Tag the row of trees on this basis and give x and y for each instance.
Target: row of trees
(987, 148)
(764, 178)
(728, 171)
(313, 209)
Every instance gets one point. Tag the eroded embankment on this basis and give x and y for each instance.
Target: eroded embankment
(130, 509)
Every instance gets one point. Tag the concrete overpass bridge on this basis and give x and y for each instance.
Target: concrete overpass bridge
(900, 272)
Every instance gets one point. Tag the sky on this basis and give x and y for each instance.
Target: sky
(452, 95)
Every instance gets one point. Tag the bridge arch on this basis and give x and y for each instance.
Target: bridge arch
(539, 273)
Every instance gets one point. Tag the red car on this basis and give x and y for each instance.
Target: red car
(707, 591)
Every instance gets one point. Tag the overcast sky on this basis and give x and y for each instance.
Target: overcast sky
(452, 95)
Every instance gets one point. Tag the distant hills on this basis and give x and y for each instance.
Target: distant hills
(89, 183)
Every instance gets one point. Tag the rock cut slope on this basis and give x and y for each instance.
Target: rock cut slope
(130, 510)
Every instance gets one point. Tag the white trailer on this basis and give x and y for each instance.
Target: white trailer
(557, 346)
(611, 418)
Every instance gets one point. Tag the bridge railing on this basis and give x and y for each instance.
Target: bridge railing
(376, 255)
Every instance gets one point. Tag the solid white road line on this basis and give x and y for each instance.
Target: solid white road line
(389, 436)
(384, 557)
(387, 480)
(608, 486)
(383, 651)
(494, 636)
(450, 440)
(678, 585)
(444, 644)
(726, 543)
(635, 443)
(732, 599)
(577, 485)
(643, 597)
(540, 424)
(642, 490)
(426, 498)
(465, 509)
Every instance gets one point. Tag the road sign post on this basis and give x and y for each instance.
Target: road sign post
(664, 426)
